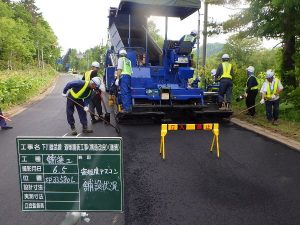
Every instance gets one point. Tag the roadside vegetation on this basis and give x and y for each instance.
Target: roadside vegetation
(28, 52)
(19, 86)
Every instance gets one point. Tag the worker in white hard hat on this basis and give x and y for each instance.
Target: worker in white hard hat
(224, 74)
(78, 93)
(124, 71)
(251, 90)
(96, 94)
(192, 37)
(92, 72)
(270, 91)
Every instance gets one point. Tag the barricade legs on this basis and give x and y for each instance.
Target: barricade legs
(208, 126)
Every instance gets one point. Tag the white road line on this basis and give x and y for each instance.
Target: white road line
(78, 135)
(65, 134)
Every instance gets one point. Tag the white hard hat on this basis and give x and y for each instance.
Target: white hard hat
(96, 81)
(95, 64)
(269, 74)
(250, 69)
(225, 56)
(213, 72)
(122, 52)
(194, 32)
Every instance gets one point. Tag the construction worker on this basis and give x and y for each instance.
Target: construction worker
(96, 94)
(124, 71)
(93, 72)
(224, 74)
(270, 91)
(78, 93)
(251, 91)
(3, 123)
(192, 37)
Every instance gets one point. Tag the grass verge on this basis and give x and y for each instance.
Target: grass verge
(287, 127)
(18, 87)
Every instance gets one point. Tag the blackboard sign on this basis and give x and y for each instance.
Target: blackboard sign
(70, 174)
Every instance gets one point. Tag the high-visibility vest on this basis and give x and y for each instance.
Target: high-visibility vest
(81, 91)
(226, 70)
(127, 70)
(269, 93)
(87, 75)
(189, 37)
(254, 87)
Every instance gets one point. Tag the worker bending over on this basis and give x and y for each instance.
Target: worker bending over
(124, 71)
(96, 94)
(251, 90)
(78, 93)
(192, 37)
(224, 74)
(270, 91)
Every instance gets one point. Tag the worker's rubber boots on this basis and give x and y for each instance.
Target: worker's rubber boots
(228, 106)
(73, 130)
(223, 107)
(86, 130)
(6, 127)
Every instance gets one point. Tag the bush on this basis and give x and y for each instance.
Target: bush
(18, 86)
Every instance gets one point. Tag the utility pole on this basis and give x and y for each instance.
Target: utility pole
(198, 44)
(205, 33)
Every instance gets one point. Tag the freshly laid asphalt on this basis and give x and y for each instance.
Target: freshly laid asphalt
(255, 182)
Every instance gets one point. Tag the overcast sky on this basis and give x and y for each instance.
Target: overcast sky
(83, 24)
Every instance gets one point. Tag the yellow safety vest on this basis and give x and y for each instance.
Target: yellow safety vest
(269, 93)
(126, 66)
(226, 70)
(87, 75)
(254, 87)
(189, 37)
(81, 91)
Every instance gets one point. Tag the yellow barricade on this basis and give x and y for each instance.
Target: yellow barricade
(214, 127)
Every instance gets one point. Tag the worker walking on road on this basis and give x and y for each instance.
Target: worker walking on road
(3, 123)
(270, 91)
(251, 91)
(78, 95)
(124, 71)
(96, 94)
(224, 74)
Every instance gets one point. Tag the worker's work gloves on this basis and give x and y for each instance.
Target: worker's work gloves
(117, 82)
(85, 108)
(262, 101)
(273, 97)
(65, 95)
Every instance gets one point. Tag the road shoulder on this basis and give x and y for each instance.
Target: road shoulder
(267, 133)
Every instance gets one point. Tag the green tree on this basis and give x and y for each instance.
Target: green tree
(153, 31)
(272, 19)
(241, 49)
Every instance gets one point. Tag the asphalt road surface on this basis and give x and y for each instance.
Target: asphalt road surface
(255, 182)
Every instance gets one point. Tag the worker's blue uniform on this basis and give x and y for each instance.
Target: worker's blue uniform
(2, 121)
(225, 73)
(84, 100)
(124, 64)
(3, 124)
